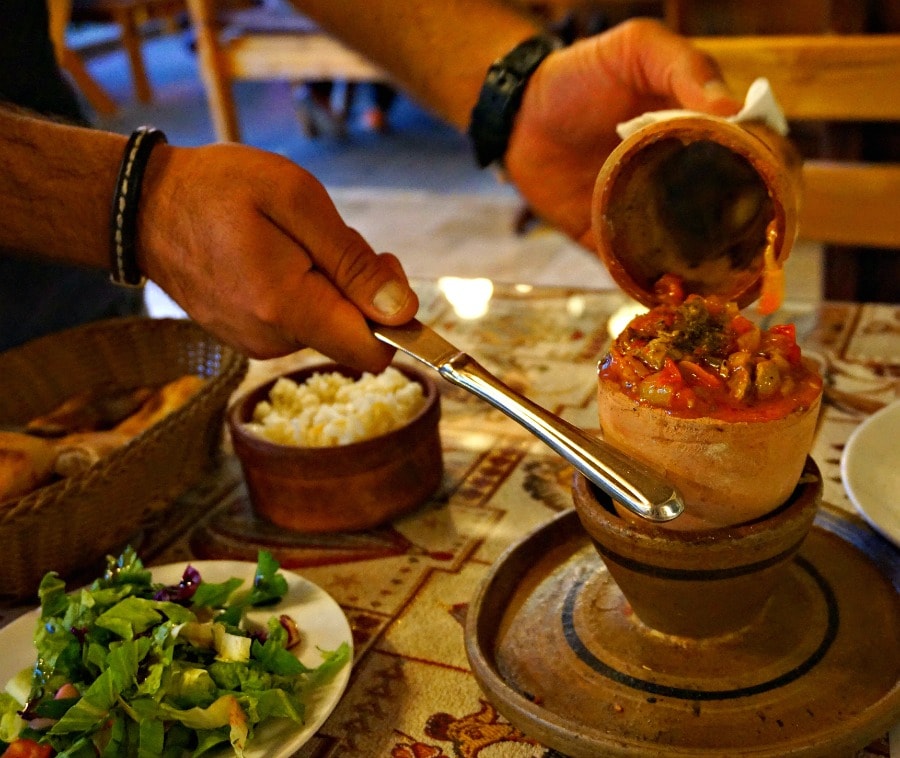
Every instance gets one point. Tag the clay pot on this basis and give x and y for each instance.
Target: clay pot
(727, 472)
(702, 583)
(699, 197)
(345, 487)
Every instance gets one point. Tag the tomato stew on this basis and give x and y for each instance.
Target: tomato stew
(699, 356)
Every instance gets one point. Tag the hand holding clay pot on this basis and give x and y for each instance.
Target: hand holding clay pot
(702, 198)
(694, 217)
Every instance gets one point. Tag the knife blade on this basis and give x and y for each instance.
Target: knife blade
(632, 483)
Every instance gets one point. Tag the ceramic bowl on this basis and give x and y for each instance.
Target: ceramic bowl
(344, 487)
(700, 197)
(699, 583)
(727, 472)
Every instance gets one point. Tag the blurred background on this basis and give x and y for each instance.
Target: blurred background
(406, 180)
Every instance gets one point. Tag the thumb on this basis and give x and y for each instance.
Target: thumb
(699, 85)
(394, 301)
(376, 284)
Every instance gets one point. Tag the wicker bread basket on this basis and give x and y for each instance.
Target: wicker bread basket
(71, 524)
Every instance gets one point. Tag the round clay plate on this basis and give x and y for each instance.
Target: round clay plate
(556, 648)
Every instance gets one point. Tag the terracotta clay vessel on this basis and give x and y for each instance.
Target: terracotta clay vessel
(699, 583)
(699, 197)
(344, 487)
(728, 472)
(714, 204)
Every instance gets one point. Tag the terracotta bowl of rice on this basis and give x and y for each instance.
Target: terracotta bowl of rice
(329, 449)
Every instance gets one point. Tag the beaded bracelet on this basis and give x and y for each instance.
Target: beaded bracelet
(123, 224)
(501, 95)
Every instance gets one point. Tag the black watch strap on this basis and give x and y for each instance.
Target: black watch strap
(501, 96)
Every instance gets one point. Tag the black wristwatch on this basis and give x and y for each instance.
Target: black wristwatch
(501, 96)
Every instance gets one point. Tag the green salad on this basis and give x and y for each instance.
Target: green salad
(130, 667)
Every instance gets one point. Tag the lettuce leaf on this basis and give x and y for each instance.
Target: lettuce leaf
(147, 662)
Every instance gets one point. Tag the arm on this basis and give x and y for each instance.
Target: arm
(247, 242)
(51, 204)
(565, 128)
(439, 51)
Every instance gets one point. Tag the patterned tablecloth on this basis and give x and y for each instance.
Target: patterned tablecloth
(406, 587)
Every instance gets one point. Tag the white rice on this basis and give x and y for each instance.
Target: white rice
(331, 409)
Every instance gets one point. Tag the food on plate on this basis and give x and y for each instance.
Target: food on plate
(82, 430)
(330, 408)
(724, 409)
(128, 666)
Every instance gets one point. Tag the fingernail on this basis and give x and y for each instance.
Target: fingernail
(715, 89)
(390, 298)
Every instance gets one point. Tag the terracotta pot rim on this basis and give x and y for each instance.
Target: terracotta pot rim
(800, 507)
(740, 139)
(796, 415)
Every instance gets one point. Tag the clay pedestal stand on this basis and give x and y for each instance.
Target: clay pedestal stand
(616, 639)
(700, 584)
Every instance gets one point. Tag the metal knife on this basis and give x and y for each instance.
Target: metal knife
(633, 484)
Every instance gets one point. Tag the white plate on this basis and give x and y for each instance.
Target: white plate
(870, 469)
(320, 619)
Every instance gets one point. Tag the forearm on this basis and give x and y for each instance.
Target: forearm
(56, 189)
(438, 51)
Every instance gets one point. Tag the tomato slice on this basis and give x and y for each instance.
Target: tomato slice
(741, 324)
(699, 375)
(27, 749)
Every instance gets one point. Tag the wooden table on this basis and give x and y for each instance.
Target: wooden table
(406, 587)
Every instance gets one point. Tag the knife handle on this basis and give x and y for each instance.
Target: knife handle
(634, 485)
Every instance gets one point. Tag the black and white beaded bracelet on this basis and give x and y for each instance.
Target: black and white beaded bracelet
(124, 269)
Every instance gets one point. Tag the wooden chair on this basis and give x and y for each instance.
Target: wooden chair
(849, 79)
(130, 16)
(60, 13)
(265, 44)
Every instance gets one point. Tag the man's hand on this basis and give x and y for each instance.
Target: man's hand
(252, 247)
(565, 128)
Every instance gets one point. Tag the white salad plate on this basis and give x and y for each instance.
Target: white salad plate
(870, 470)
(320, 619)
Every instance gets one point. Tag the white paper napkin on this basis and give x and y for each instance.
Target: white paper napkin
(759, 105)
